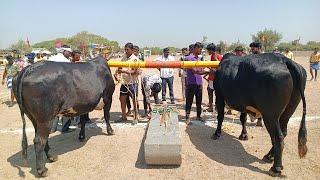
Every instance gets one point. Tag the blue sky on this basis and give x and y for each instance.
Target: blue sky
(158, 23)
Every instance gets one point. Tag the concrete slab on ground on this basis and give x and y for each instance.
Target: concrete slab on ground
(163, 142)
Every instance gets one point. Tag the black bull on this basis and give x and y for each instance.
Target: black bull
(269, 85)
(48, 89)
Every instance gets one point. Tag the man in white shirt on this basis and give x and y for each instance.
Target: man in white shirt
(166, 75)
(150, 86)
(63, 55)
(129, 87)
(287, 53)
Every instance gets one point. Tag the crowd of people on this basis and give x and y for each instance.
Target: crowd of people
(152, 83)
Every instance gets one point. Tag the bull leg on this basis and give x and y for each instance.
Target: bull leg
(284, 119)
(82, 135)
(244, 135)
(277, 138)
(107, 99)
(220, 108)
(40, 141)
(269, 158)
(50, 157)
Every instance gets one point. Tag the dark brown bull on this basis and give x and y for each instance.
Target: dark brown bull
(266, 84)
(48, 89)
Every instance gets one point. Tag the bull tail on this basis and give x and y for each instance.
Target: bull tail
(302, 136)
(24, 138)
(299, 75)
(17, 87)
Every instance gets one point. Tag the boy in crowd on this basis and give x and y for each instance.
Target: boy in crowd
(214, 56)
(182, 72)
(10, 71)
(314, 64)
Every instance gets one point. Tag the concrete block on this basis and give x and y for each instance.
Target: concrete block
(163, 142)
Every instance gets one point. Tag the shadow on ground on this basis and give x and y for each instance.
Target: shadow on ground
(227, 150)
(60, 144)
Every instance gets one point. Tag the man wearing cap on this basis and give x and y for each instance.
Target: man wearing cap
(166, 75)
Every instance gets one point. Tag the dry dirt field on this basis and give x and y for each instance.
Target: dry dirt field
(122, 156)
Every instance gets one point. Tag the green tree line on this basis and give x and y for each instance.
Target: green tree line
(267, 37)
(75, 42)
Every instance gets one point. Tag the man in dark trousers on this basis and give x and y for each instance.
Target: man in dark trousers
(194, 83)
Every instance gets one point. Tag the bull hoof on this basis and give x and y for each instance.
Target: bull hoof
(53, 158)
(243, 137)
(110, 132)
(42, 172)
(268, 159)
(275, 172)
(215, 136)
(82, 138)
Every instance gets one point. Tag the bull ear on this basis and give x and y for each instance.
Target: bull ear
(110, 55)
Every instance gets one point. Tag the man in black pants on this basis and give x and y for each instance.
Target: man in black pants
(194, 83)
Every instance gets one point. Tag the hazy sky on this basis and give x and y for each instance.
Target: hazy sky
(160, 22)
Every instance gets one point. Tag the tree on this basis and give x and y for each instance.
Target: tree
(311, 45)
(268, 38)
(223, 46)
(204, 41)
(233, 46)
(76, 42)
(21, 46)
(284, 45)
(156, 50)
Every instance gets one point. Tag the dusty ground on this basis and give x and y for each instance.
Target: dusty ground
(121, 156)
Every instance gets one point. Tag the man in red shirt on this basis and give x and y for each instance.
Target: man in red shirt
(215, 53)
